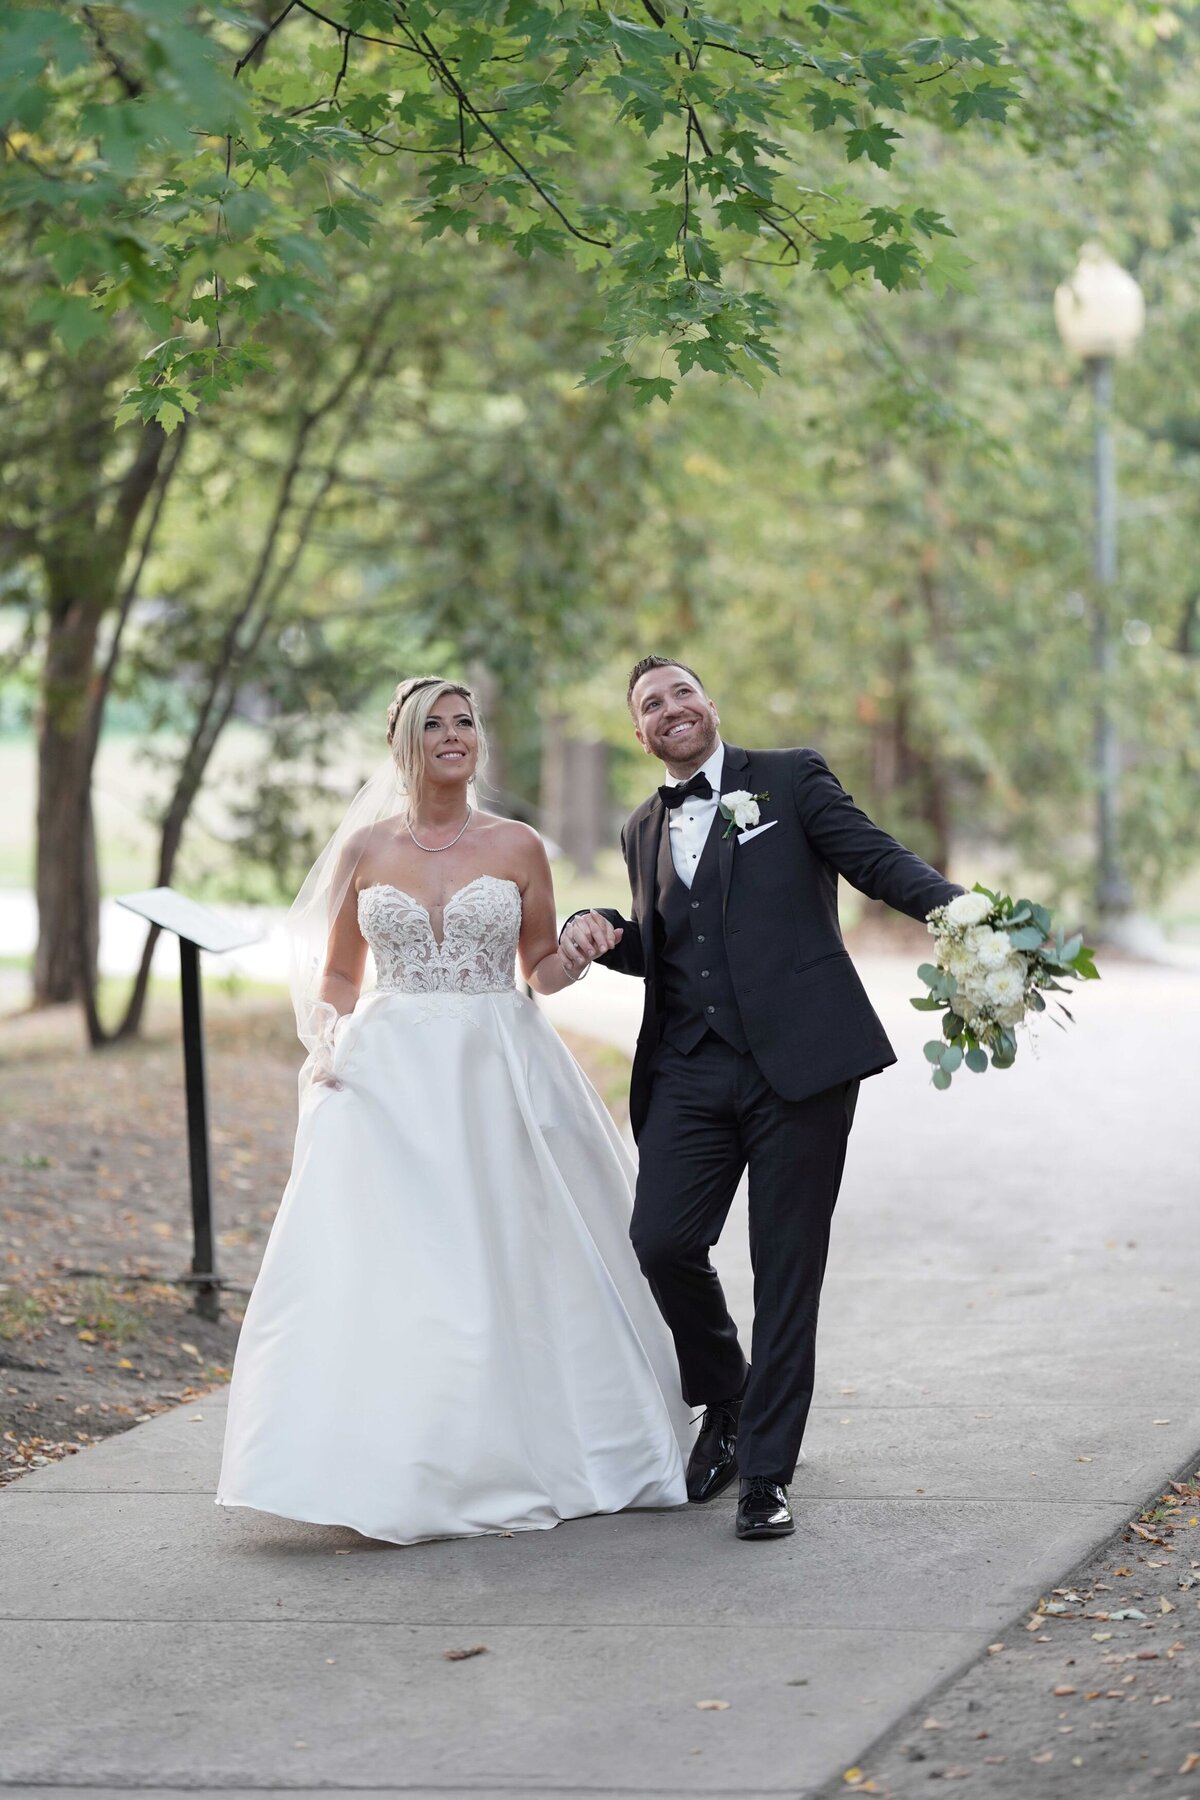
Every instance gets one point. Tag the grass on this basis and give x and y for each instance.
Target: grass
(20, 1315)
(102, 1309)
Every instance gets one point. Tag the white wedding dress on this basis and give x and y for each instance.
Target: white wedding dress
(449, 1333)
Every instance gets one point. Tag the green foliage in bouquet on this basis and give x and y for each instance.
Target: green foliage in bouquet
(995, 961)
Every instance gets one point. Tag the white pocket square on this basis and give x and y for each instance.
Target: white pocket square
(756, 831)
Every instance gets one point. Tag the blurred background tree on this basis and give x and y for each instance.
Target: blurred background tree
(886, 552)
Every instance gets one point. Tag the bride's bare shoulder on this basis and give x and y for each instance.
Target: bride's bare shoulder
(367, 841)
(511, 837)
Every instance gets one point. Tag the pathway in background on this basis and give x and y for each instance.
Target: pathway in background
(1008, 1365)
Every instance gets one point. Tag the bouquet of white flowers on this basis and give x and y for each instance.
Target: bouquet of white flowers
(995, 959)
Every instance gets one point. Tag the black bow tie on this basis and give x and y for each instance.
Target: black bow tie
(699, 787)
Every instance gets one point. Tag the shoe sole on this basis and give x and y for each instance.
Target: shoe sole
(777, 1531)
(727, 1481)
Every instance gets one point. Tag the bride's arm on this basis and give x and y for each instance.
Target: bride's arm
(341, 977)
(538, 951)
(346, 951)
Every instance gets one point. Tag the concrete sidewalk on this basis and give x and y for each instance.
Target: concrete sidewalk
(1008, 1364)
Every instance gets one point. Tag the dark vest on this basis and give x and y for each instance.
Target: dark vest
(697, 988)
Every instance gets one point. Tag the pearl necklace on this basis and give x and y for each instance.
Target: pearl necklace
(436, 849)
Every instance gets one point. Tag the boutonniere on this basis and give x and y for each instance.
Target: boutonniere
(740, 809)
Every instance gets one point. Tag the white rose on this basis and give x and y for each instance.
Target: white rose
(1011, 1015)
(742, 808)
(969, 909)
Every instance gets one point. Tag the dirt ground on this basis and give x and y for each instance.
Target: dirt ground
(95, 1213)
(1095, 1694)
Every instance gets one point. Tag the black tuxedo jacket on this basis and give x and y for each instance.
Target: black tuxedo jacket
(805, 1012)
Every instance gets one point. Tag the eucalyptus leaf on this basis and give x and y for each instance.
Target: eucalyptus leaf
(952, 1058)
(941, 1079)
(976, 1060)
(933, 1050)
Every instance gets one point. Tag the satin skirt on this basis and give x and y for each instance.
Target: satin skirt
(449, 1333)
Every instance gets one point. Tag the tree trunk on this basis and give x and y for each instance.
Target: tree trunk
(574, 799)
(66, 879)
(83, 562)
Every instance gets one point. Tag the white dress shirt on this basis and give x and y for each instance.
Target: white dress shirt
(690, 824)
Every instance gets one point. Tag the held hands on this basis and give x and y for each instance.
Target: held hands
(584, 938)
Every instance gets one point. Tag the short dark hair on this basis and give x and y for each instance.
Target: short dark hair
(657, 662)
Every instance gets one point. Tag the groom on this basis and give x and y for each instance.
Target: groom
(755, 1036)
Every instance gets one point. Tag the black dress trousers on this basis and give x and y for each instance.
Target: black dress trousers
(712, 1115)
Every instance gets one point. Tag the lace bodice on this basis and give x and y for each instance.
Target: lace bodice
(477, 955)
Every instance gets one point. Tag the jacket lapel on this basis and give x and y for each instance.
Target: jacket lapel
(650, 835)
(732, 776)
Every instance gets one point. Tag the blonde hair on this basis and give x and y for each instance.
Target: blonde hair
(410, 707)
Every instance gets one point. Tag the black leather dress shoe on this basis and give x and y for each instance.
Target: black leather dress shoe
(713, 1462)
(763, 1510)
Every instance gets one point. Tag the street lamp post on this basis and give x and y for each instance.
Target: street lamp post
(1100, 314)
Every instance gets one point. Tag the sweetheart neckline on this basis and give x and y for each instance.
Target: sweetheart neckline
(439, 944)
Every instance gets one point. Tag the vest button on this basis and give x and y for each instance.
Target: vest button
(699, 937)
(710, 1009)
(695, 904)
(704, 974)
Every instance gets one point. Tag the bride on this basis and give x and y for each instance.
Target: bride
(449, 1333)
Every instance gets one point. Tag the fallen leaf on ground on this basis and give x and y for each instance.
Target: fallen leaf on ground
(933, 1725)
(707, 1705)
(1063, 1689)
(462, 1655)
(1191, 1761)
(1164, 1605)
(1044, 1756)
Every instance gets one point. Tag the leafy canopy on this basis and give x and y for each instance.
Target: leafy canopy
(185, 166)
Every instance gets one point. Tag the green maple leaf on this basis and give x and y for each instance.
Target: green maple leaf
(645, 390)
(949, 268)
(890, 263)
(987, 101)
(930, 223)
(872, 141)
(827, 109)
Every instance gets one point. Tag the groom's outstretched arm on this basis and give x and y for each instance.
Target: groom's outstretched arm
(857, 848)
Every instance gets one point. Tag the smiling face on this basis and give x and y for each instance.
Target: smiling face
(674, 719)
(449, 743)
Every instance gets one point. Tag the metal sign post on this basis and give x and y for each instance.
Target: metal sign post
(197, 928)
